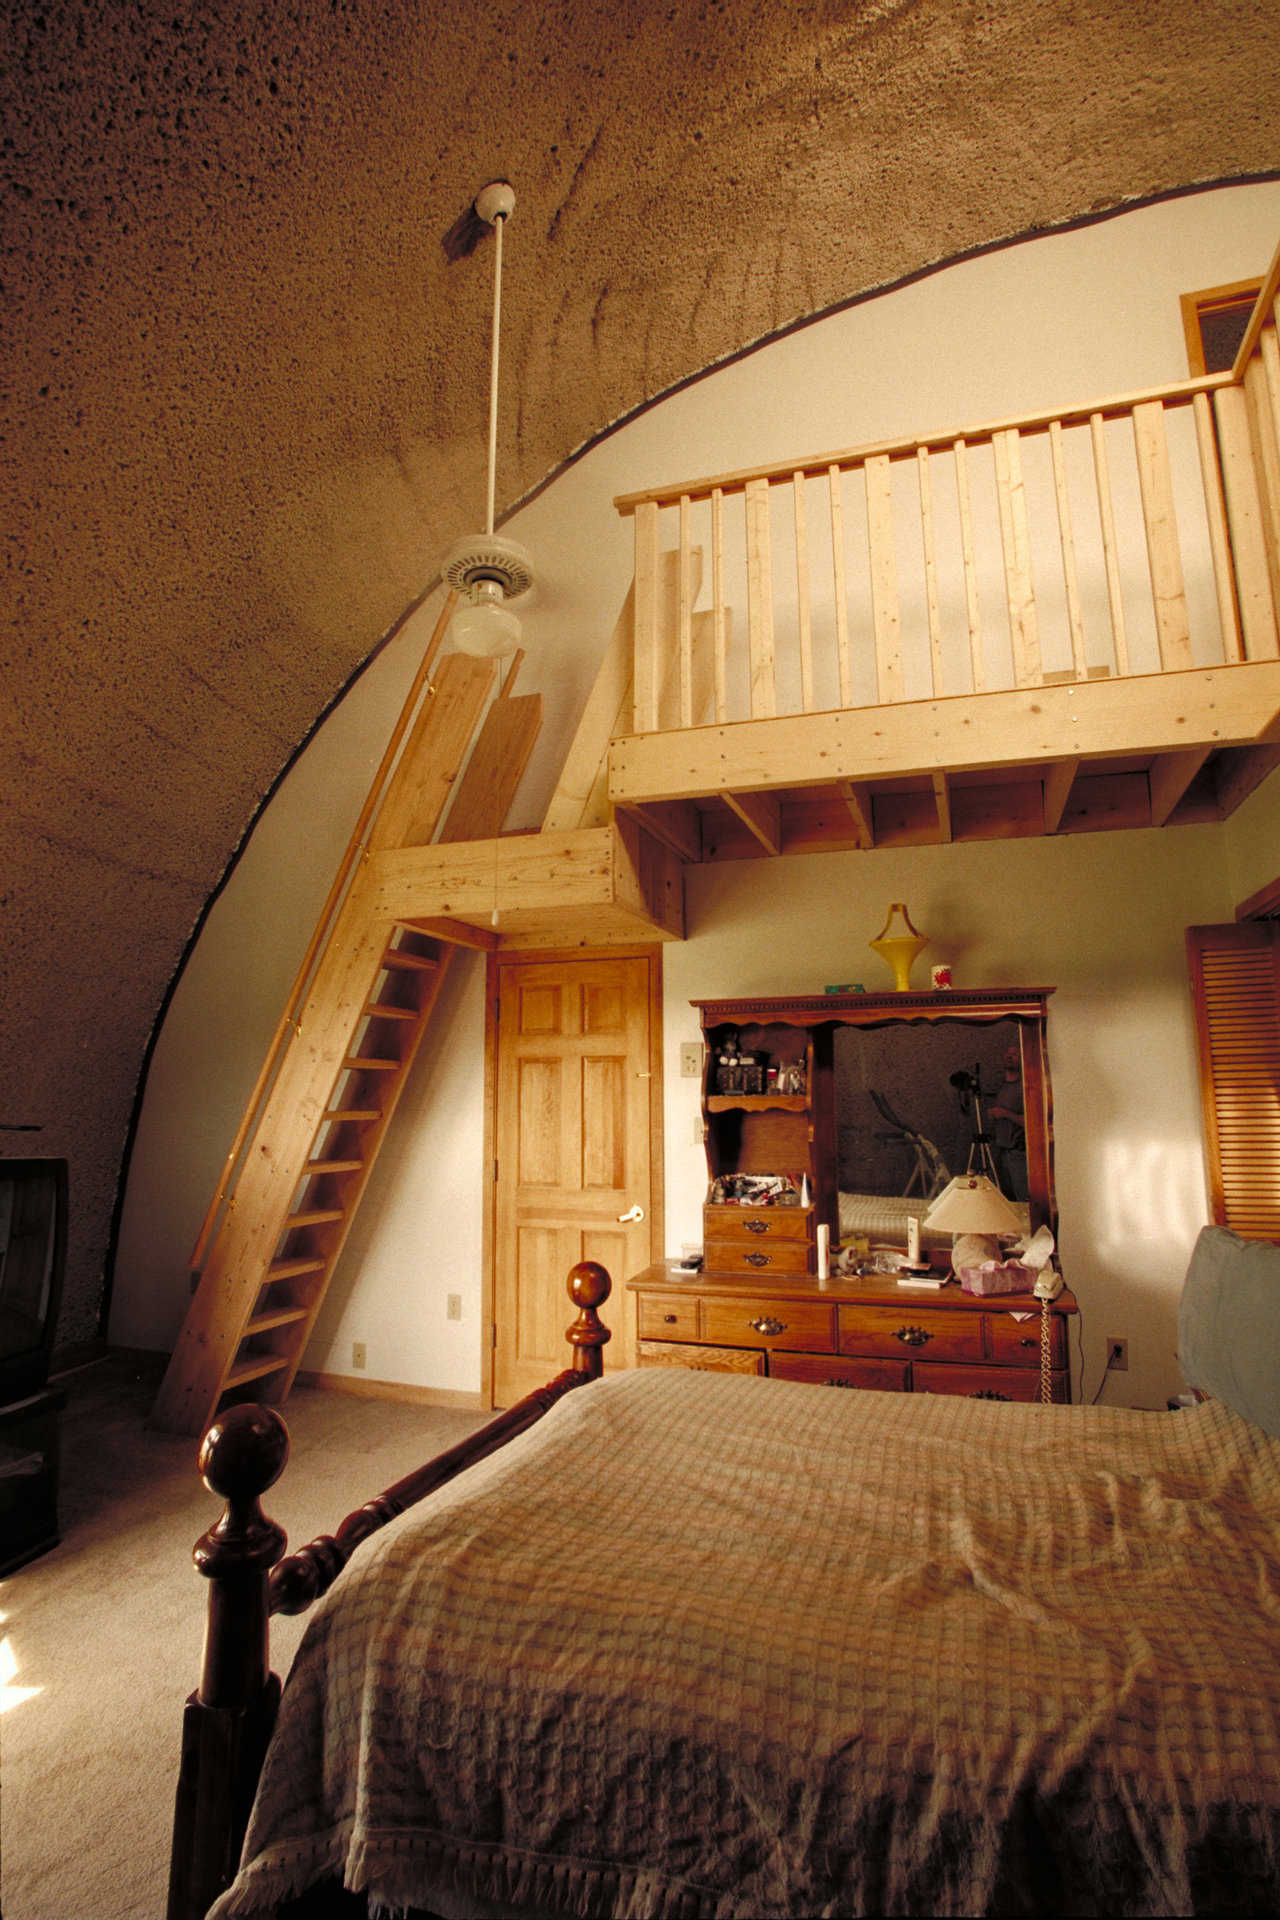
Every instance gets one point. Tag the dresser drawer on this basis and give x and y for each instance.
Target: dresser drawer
(740, 1256)
(807, 1324)
(1016, 1343)
(985, 1383)
(756, 1223)
(829, 1370)
(911, 1330)
(659, 1317)
(660, 1353)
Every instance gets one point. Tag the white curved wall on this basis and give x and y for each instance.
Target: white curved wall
(1052, 322)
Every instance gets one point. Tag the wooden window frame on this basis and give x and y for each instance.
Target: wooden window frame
(1238, 293)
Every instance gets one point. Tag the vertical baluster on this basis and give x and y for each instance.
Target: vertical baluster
(718, 607)
(929, 546)
(684, 615)
(1110, 554)
(1215, 508)
(885, 617)
(960, 453)
(1159, 518)
(647, 662)
(1266, 450)
(1245, 519)
(1015, 542)
(760, 600)
(803, 617)
(840, 586)
(1066, 540)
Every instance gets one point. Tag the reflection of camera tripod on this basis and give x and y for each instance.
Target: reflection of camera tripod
(981, 1159)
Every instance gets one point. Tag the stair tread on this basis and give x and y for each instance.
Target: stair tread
(281, 1317)
(359, 1063)
(352, 1113)
(314, 1167)
(312, 1217)
(254, 1369)
(291, 1269)
(409, 962)
(378, 1010)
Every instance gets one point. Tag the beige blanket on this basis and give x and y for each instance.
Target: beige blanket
(701, 1645)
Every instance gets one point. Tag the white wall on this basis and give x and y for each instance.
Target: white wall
(1055, 321)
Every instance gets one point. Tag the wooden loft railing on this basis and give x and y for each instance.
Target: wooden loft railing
(1132, 539)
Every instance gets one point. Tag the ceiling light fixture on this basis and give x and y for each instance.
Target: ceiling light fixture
(487, 569)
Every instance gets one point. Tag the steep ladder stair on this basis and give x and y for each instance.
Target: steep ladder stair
(350, 1032)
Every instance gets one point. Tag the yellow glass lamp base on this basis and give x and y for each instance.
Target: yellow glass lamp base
(898, 943)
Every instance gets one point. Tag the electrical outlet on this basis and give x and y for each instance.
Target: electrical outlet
(1118, 1355)
(699, 1131)
(357, 1353)
(453, 1306)
(691, 1059)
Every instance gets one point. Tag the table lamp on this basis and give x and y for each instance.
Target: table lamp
(973, 1209)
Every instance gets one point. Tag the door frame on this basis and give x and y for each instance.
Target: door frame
(495, 959)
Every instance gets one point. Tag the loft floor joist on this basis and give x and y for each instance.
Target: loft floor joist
(1156, 750)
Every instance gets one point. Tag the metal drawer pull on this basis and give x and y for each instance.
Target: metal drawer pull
(756, 1226)
(913, 1336)
(765, 1325)
(758, 1259)
(989, 1393)
(669, 1319)
(1028, 1341)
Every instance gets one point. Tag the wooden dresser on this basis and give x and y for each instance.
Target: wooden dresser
(851, 1333)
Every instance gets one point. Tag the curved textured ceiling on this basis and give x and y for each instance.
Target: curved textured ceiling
(245, 406)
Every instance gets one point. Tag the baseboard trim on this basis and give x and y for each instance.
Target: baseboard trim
(394, 1390)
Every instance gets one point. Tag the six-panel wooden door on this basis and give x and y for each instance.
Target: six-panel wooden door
(575, 1124)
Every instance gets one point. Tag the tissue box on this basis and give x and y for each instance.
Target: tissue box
(1012, 1277)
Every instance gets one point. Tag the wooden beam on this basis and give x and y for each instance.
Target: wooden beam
(759, 812)
(607, 712)
(857, 797)
(1058, 782)
(458, 933)
(423, 782)
(1169, 778)
(942, 804)
(676, 823)
(487, 787)
(1092, 719)
(1239, 771)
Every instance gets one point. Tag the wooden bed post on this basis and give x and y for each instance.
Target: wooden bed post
(589, 1288)
(228, 1721)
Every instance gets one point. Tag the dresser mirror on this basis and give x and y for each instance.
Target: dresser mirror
(919, 1101)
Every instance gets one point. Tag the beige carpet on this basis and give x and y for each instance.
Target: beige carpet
(106, 1630)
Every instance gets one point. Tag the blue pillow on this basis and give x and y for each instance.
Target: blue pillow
(1229, 1324)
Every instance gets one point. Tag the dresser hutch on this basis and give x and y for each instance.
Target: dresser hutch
(758, 1306)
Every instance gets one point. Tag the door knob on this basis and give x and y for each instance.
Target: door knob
(632, 1213)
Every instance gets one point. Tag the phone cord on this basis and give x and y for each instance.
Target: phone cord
(1046, 1385)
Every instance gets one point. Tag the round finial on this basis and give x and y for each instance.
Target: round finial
(496, 201)
(589, 1284)
(244, 1452)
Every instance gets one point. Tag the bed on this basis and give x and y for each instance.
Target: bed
(709, 1646)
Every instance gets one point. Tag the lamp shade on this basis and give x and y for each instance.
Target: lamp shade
(973, 1204)
(484, 624)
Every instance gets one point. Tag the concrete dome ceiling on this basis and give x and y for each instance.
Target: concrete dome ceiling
(244, 410)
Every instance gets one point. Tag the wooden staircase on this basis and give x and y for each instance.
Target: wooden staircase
(348, 1037)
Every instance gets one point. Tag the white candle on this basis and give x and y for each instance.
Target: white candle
(913, 1241)
(824, 1253)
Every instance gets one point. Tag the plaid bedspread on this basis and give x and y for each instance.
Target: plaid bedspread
(707, 1646)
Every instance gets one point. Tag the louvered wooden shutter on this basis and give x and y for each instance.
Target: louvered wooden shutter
(1235, 980)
